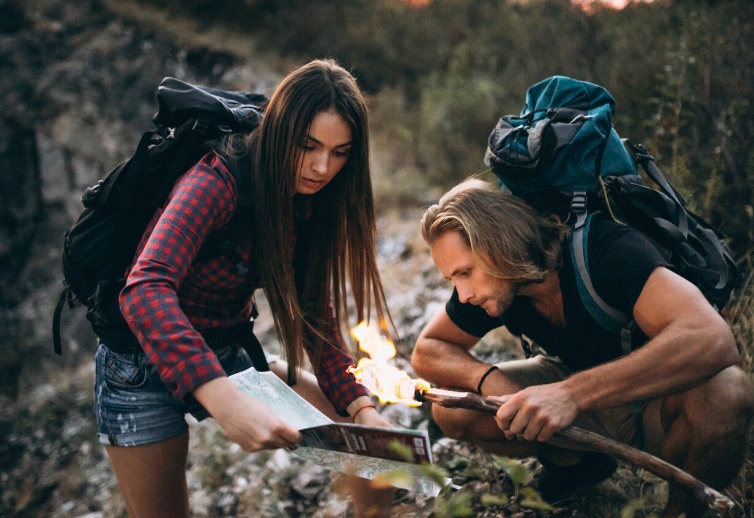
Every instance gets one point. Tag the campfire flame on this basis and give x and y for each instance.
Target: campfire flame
(387, 382)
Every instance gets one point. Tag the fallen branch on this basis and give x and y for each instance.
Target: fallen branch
(575, 438)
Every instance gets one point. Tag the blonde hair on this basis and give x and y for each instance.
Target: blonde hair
(509, 238)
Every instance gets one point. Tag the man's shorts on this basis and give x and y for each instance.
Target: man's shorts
(617, 423)
(134, 407)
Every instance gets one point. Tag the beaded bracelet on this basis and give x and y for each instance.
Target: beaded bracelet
(353, 417)
(479, 387)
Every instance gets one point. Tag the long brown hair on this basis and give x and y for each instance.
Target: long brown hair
(341, 251)
(509, 238)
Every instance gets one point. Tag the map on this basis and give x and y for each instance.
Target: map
(364, 450)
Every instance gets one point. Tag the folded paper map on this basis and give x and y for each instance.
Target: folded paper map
(370, 441)
(365, 450)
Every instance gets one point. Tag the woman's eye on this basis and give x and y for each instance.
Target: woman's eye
(341, 154)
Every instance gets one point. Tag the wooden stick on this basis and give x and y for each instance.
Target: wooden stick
(575, 438)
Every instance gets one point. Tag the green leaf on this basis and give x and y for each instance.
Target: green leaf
(520, 475)
(457, 506)
(402, 450)
(531, 499)
(434, 473)
(489, 500)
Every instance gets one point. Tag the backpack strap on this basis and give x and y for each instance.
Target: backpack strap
(65, 296)
(641, 156)
(681, 231)
(190, 152)
(226, 239)
(252, 345)
(609, 318)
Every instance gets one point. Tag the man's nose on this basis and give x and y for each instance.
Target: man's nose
(464, 293)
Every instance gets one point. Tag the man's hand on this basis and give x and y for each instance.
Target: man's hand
(245, 420)
(535, 413)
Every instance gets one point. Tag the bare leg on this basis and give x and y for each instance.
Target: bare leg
(152, 478)
(480, 429)
(705, 433)
(369, 500)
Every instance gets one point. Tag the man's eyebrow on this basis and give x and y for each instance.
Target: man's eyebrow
(456, 272)
(309, 137)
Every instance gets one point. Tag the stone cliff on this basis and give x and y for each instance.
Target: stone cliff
(78, 88)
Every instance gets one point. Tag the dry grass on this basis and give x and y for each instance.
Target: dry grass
(741, 318)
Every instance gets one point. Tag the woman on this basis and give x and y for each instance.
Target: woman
(311, 232)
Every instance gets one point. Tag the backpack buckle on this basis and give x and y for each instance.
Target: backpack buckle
(578, 208)
(578, 202)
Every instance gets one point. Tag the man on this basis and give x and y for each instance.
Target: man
(678, 394)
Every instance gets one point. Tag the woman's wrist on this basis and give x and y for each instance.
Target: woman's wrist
(362, 411)
(357, 403)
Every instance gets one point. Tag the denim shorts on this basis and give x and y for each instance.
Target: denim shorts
(134, 407)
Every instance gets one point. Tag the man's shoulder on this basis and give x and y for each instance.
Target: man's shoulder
(603, 227)
(610, 239)
(620, 260)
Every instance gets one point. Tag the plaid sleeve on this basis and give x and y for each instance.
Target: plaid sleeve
(202, 200)
(340, 386)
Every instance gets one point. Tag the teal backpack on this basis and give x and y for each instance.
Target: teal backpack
(562, 155)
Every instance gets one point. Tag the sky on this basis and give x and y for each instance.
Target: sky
(616, 4)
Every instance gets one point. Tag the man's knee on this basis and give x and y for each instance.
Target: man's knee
(722, 406)
(448, 421)
(732, 394)
(455, 423)
(740, 393)
(739, 398)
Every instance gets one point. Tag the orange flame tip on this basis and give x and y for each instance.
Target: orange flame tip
(388, 383)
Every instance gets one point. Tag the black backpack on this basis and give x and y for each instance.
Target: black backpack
(190, 121)
(562, 155)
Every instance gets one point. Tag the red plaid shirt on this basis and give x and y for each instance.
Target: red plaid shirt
(169, 300)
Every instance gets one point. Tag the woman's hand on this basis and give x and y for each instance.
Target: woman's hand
(245, 420)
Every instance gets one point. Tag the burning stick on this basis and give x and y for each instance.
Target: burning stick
(575, 438)
(392, 385)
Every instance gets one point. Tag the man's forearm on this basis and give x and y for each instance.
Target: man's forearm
(672, 361)
(447, 365)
